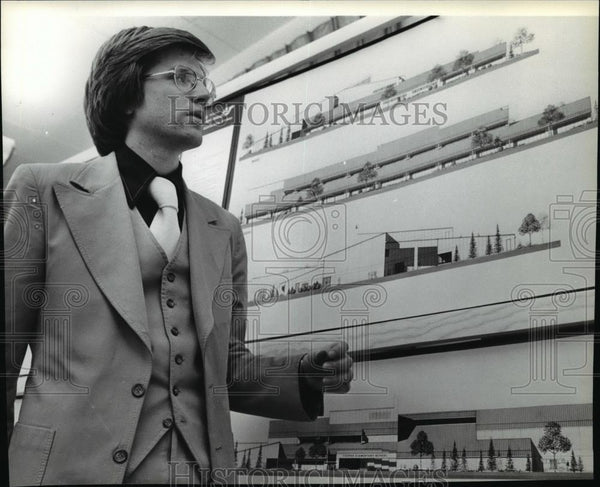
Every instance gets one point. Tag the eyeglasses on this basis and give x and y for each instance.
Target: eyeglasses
(186, 79)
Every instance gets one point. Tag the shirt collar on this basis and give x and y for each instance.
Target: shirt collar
(137, 175)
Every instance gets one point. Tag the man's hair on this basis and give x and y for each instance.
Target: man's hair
(116, 80)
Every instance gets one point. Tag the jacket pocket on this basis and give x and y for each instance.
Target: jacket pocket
(28, 454)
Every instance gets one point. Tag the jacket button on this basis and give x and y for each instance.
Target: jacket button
(178, 359)
(167, 423)
(170, 277)
(170, 303)
(120, 456)
(175, 391)
(174, 331)
(138, 390)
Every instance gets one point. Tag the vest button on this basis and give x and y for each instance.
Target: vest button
(120, 456)
(176, 391)
(138, 390)
(170, 277)
(170, 303)
(167, 423)
(174, 331)
(178, 359)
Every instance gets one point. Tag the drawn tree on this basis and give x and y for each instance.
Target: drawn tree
(573, 465)
(367, 173)
(544, 223)
(491, 459)
(528, 463)
(454, 458)
(389, 92)
(481, 138)
(553, 441)
(444, 462)
(289, 133)
(456, 254)
(498, 241)
(266, 144)
(421, 446)
(259, 458)
(510, 466)
(243, 465)
(580, 465)
(281, 136)
(464, 61)
(472, 247)
(463, 460)
(529, 225)
(498, 143)
(317, 450)
(550, 116)
(432, 466)
(438, 72)
(480, 468)
(521, 38)
(316, 188)
(235, 453)
(249, 142)
(488, 246)
(299, 456)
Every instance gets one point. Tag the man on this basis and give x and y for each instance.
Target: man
(130, 290)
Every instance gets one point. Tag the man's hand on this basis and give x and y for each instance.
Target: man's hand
(328, 369)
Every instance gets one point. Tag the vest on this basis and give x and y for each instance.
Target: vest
(174, 399)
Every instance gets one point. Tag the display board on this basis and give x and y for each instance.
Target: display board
(427, 193)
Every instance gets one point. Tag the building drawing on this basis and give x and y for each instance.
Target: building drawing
(405, 242)
(373, 439)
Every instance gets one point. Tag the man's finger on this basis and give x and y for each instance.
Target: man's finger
(338, 349)
(346, 376)
(339, 365)
(336, 387)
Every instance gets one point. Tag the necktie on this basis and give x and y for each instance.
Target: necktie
(165, 225)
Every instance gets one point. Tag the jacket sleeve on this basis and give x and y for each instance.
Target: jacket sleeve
(24, 261)
(263, 385)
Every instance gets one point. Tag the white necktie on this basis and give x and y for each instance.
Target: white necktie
(165, 225)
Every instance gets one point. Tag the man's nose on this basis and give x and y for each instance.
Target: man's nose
(201, 94)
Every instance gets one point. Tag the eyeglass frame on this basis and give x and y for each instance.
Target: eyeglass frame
(202, 78)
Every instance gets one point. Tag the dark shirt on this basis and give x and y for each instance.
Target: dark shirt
(137, 175)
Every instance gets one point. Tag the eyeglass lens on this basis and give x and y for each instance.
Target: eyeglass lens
(185, 78)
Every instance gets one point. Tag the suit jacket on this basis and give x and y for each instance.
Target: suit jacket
(74, 294)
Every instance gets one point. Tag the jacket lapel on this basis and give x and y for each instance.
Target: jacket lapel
(208, 242)
(98, 216)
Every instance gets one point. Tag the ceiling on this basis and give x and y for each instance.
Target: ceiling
(45, 63)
